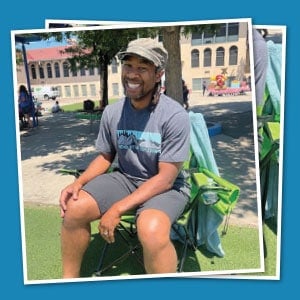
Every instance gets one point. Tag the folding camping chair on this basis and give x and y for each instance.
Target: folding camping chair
(204, 184)
(269, 118)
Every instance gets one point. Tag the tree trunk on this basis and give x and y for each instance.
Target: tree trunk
(103, 85)
(173, 83)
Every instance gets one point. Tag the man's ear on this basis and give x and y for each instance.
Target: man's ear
(159, 75)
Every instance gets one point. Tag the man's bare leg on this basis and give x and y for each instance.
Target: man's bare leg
(154, 233)
(76, 232)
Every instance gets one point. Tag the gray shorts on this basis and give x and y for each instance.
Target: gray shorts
(109, 188)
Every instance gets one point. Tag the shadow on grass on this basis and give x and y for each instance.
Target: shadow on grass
(131, 264)
(127, 266)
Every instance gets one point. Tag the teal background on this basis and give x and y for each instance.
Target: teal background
(31, 15)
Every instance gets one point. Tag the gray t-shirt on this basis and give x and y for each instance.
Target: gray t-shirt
(142, 138)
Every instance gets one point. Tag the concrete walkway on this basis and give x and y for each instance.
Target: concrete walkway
(63, 141)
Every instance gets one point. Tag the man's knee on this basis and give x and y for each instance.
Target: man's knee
(153, 228)
(81, 211)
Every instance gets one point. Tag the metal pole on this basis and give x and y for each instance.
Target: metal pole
(35, 123)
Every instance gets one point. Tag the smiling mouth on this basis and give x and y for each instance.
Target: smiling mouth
(133, 86)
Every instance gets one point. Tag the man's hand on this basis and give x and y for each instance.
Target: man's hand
(69, 192)
(108, 223)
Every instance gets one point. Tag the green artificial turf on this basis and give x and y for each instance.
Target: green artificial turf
(43, 258)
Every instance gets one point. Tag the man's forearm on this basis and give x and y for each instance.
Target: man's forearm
(98, 166)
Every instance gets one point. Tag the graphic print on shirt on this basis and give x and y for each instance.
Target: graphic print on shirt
(139, 141)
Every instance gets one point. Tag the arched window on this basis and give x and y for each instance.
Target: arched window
(74, 73)
(82, 71)
(195, 58)
(233, 55)
(41, 72)
(91, 71)
(49, 70)
(207, 58)
(66, 69)
(33, 72)
(57, 71)
(220, 53)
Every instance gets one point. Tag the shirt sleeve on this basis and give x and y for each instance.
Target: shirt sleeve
(104, 141)
(176, 139)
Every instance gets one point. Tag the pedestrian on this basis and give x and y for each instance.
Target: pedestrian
(26, 107)
(148, 132)
(204, 87)
(185, 92)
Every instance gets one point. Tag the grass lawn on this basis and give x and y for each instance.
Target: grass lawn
(78, 106)
(42, 235)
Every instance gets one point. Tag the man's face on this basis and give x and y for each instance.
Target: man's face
(139, 77)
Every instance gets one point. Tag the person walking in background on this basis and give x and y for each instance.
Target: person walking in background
(204, 87)
(185, 92)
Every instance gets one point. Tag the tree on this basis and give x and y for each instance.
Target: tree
(171, 41)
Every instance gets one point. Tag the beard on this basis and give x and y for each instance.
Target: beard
(138, 94)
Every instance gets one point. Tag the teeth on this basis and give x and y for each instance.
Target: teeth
(133, 86)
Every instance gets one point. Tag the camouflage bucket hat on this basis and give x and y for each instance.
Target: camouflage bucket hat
(149, 49)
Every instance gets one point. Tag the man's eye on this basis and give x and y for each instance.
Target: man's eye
(142, 70)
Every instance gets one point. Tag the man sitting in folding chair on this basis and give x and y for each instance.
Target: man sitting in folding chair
(148, 132)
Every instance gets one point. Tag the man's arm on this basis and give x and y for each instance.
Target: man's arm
(98, 166)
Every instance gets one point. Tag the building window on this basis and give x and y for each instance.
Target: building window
(233, 32)
(92, 89)
(56, 69)
(195, 58)
(75, 91)
(67, 89)
(59, 89)
(221, 34)
(208, 37)
(49, 70)
(91, 71)
(114, 66)
(74, 73)
(196, 39)
(66, 69)
(83, 90)
(115, 89)
(33, 72)
(196, 84)
(41, 72)
(220, 56)
(233, 55)
(207, 58)
(82, 72)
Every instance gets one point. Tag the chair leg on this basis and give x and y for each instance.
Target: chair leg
(187, 241)
(132, 250)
